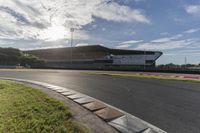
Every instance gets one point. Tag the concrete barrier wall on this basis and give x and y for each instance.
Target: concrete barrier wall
(7, 66)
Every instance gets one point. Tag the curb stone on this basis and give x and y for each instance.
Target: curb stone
(120, 120)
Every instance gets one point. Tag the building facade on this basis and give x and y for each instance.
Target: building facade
(95, 56)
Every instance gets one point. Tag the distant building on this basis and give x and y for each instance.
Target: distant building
(95, 56)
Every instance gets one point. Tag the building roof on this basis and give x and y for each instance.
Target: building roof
(93, 48)
(84, 52)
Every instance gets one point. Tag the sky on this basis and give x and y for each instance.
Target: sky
(170, 26)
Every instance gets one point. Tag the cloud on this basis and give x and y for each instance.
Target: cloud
(128, 44)
(178, 20)
(39, 20)
(132, 42)
(5, 43)
(44, 47)
(33, 44)
(115, 12)
(164, 33)
(140, 0)
(167, 39)
(94, 26)
(123, 46)
(169, 45)
(82, 44)
(192, 30)
(193, 9)
(19, 17)
(103, 29)
(86, 44)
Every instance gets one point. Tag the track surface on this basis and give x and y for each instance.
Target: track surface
(173, 106)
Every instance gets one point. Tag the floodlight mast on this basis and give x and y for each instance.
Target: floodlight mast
(71, 50)
(185, 61)
(144, 59)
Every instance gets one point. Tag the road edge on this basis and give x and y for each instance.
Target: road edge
(118, 119)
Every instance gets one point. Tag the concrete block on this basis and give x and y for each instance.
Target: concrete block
(131, 124)
(62, 90)
(126, 124)
(68, 93)
(53, 88)
(148, 130)
(108, 114)
(93, 106)
(75, 96)
(84, 100)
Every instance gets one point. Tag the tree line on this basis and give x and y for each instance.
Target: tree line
(15, 57)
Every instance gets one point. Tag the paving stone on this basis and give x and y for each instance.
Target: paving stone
(108, 113)
(93, 106)
(54, 87)
(132, 124)
(76, 96)
(84, 100)
(38, 83)
(62, 90)
(68, 93)
(43, 84)
(126, 124)
(49, 86)
(148, 130)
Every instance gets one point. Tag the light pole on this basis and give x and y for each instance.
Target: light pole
(71, 50)
(185, 62)
(144, 59)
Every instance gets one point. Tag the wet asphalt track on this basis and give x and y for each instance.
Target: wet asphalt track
(173, 106)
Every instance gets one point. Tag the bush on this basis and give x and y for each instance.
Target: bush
(12, 56)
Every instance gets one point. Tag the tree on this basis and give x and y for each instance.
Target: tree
(14, 57)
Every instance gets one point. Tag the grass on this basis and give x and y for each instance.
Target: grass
(27, 110)
(141, 76)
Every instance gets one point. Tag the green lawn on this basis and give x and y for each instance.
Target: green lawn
(27, 110)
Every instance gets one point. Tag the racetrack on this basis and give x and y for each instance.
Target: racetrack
(173, 106)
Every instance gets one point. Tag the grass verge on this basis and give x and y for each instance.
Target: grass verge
(141, 76)
(27, 110)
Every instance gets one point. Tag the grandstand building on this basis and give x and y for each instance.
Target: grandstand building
(95, 57)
